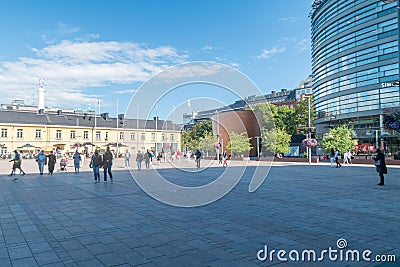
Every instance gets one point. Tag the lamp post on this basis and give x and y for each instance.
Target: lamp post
(258, 146)
(309, 125)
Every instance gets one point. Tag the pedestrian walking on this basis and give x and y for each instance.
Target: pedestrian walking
(16, 164)
(107, 163)
(350, 157)
(332, 157)
(147, 158)
(379, 162)
(20, 161)
(127, 159)
(41, 161)
(345, 158)
(96, 163)
(77, 161)
(179, 155)
(337, 156)
(198, 157)
(139, 159)
(51, 162)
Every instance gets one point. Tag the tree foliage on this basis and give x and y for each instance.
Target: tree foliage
(277, 128)
(239, 143)
(277, 141)
(206, 144)
(302, 114)
(191, 138)
(287, 116)
(339, 138)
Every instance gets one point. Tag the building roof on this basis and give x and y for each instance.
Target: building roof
(82, 120)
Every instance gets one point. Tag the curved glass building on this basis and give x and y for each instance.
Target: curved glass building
(355, 65)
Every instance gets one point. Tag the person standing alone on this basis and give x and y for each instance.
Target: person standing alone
(107, 163)
(198, 157)
(380, 165)
(77, 161)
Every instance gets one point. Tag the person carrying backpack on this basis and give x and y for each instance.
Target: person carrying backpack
(16, 163)
(96, 163)
(41, 160)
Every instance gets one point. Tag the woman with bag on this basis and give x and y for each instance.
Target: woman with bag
(379, 162)
(16, 163)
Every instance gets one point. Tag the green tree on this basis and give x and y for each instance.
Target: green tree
(301, 114)
(339, 138)
(191, 138)
(206, 144)
(287, 116)
(277, 141)
(277, 128)
(239, 143)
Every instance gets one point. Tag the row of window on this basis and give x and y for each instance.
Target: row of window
(38, 135)
(353, 19)
(362, 78)
(332, 11)
(380, 52)
(339, 7)
(363, 36)
(374, 99)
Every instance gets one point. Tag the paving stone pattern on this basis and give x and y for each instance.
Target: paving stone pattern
(67, 220)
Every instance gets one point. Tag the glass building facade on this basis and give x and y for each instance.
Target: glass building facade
(355, 65)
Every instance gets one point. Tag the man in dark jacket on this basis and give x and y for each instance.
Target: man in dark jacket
(198, 157)
(107, 163)
(380, 165)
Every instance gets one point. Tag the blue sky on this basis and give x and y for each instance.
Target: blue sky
(88, 50)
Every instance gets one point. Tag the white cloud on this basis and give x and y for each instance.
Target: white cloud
(195, 70)
(128, 91)
(209, 48)
(65, 28)
(305, 44)
(71, 67)
(287, 20)
(268, 53)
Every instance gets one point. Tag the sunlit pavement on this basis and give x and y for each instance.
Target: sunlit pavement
(67, 220)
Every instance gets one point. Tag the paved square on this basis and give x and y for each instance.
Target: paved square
(67, 220)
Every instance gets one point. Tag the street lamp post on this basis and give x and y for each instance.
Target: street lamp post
(309, 129)
(309, 125)
(258, 146)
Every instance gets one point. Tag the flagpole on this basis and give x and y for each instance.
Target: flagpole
(117, 130)
(156, 130)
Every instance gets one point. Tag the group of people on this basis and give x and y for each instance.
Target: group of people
(335, 157)
(147, 157)
(98, 161)
(51, 159)
(379, 162)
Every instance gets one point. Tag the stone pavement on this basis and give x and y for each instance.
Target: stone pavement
(67, 220)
